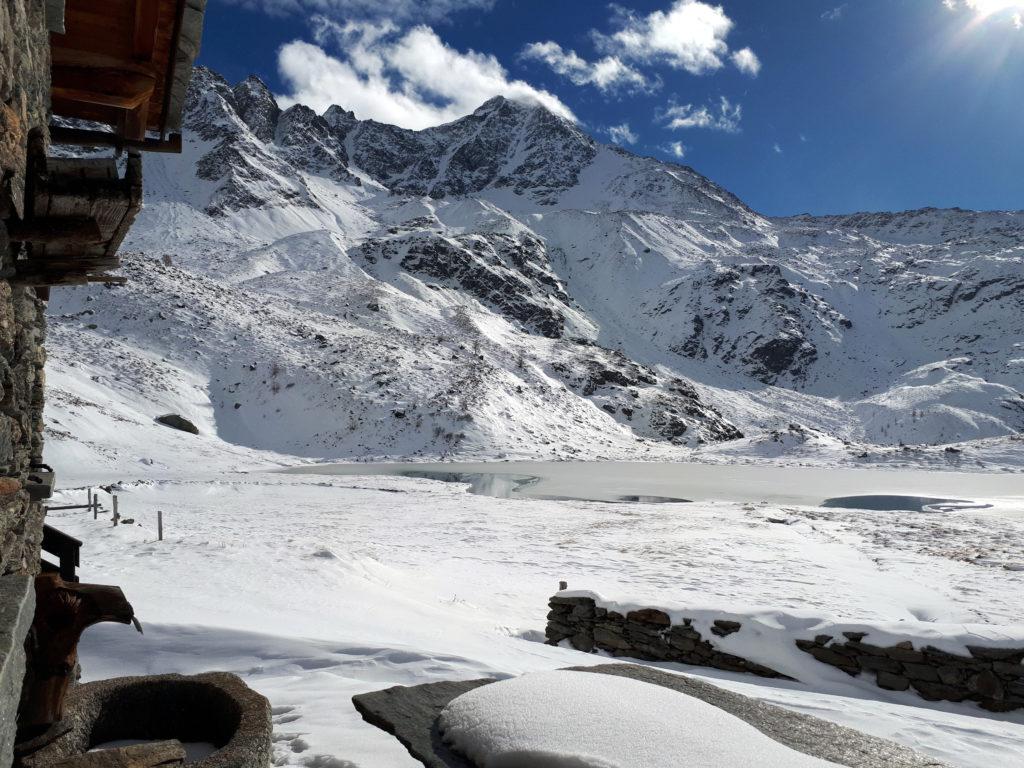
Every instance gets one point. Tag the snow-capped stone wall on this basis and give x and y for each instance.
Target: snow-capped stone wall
(647, 633)
(991, 676)
(994, 677)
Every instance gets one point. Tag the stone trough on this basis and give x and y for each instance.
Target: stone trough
(215, 708)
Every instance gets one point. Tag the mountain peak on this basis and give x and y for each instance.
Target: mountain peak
(257, 107)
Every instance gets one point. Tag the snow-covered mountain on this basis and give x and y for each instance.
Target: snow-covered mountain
(324, 286)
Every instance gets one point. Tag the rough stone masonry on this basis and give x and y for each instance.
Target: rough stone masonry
(992, 677)
(24, 107)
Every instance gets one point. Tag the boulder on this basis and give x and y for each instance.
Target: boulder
(175, 421)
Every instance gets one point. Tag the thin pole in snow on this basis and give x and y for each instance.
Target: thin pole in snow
(91, 504)
(160, 524)
(116, 515)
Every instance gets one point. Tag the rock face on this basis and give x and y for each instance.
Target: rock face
(993, 677)
(509, 285)
(175, 421)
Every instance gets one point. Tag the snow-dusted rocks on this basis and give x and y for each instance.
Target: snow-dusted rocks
(512, 286)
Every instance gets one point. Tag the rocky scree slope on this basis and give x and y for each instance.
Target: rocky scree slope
(335, 287)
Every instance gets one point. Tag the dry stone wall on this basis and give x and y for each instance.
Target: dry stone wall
(992, 677)
(644, 634)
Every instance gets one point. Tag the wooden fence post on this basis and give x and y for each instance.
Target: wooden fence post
(160, 524)
(116, 515)
(89, 497)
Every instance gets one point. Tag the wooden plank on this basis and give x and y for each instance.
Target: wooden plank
(146, 15)
(102, 85)
(78, 137)
(153, 755)
(83, 167)
(67, 230)
(135, 122)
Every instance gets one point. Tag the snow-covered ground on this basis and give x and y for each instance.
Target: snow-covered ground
(315, 588)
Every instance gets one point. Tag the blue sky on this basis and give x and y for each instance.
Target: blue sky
(793, 105)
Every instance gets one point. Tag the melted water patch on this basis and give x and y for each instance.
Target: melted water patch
(898, 503)
(510, 486)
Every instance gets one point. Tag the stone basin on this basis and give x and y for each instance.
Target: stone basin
(214, 707)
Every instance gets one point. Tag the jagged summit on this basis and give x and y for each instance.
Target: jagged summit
(504, 282)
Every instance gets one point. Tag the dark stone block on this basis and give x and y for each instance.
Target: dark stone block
(901, 653)
(607, 640)
(881, 664)
(1014, 655)
(891, 682)
(865, 649)
(823, 639)
(952, 676)
(855, 636)
(1006, 669)
(921, 672)
(830, 656)
(174, 421)
(938, 691)
(724, 628)
(649, 616)
(987, 685)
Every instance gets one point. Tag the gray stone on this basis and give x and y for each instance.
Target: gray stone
(174, 421)
(17, 607)
(921, 672)
(214, 707)
(905, 654)
(724, 628)
(997, 654)
(891, 682)
(410, 714)
(986, 685)
(649, 616)
(881, 664)
(836, 658)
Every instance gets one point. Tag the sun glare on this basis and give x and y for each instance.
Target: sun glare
(987, 8)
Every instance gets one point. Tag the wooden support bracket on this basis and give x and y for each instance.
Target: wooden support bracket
(65, 230)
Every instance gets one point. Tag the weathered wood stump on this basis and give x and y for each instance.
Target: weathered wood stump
(63, 611)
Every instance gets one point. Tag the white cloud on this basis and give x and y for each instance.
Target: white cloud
(411, 79)
(676, 149)
(608, 73)
(622, 134)
(746, 61)
(777, 148)
(690, 35)
(395, 10)
(985, 9)
(835, 14)
(726, 117)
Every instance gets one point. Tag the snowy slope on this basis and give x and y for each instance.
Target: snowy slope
(505, 285)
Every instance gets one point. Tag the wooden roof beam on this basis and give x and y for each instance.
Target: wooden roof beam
(102, 85)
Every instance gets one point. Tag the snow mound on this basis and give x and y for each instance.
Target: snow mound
(564, 719)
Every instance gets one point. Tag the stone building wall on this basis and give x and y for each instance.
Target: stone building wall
(24, 106)
(992, 677)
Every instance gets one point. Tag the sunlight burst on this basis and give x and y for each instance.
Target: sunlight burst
(986, 8)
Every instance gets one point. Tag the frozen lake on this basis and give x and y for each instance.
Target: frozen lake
(877, 489)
